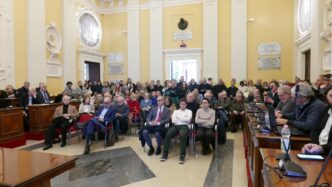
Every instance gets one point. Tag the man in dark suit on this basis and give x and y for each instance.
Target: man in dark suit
(29, 99)
(103, 117)
(23, 91)
(43, 96)
(158, 117)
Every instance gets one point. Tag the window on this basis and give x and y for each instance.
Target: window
(185, 68)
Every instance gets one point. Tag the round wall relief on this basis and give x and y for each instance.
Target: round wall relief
(90, 31)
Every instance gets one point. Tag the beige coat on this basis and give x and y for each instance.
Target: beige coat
(71, 110)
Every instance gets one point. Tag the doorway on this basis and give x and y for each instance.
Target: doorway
(307, 62)
(185, 68)
(91, 71)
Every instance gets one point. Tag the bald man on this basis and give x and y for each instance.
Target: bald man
(103, 117)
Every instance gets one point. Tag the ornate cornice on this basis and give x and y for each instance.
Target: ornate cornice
(152, 4)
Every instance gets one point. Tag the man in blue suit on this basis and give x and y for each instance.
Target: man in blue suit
(103, 117)
(158, 117)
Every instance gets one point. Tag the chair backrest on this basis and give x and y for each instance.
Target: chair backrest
(85, 117)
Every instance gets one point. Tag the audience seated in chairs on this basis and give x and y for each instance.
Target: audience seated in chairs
(156, 121)
(237, 111)
(180, 118)
(121, 117)
(308, 110)
(205, 119)
(322, 133)
(102, 120)
(62, 117)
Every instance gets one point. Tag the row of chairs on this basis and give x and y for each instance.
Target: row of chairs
(77, 127)
(192, 135)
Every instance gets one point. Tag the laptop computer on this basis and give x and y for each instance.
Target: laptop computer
(272, 124)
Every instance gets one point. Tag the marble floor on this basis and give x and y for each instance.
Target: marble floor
(227, 168)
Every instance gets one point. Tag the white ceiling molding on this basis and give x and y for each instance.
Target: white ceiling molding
(142, 6)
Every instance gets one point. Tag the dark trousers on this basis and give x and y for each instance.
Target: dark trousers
(120, 125)
(235, 120)
(183, 132)
(59, 122)
(91, 127)
(205, 135)
(156, 130)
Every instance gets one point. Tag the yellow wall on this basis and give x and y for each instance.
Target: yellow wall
(145, 47)
(114, 40)
(273, 23)
(270, 26)
(193, 14)
(20, 35)
(224, 40)
(53, 13)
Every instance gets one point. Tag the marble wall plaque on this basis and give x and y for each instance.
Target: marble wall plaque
(116, 69)
(269, 49)
(182, 35)
(54, 69)
(269, 62)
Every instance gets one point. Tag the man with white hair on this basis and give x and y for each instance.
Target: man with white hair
(42, 95)
(121, 116)
(62, 116)
(307, 112)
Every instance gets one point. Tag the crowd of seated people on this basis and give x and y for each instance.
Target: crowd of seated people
(127, 100)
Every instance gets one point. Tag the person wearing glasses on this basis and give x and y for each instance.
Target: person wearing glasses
(307, 112)
(63, 115)
(205, 118)
(180, 118)
(158, 117)
(322, 135)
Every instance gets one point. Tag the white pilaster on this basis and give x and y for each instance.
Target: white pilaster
(239, 39)
(156, 40)
(69, 41)
(7, 60)
(210, 39)
(133, 28)
(316, 42)
(36, 41)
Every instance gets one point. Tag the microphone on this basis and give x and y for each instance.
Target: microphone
(285, 156)
(322, 171)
